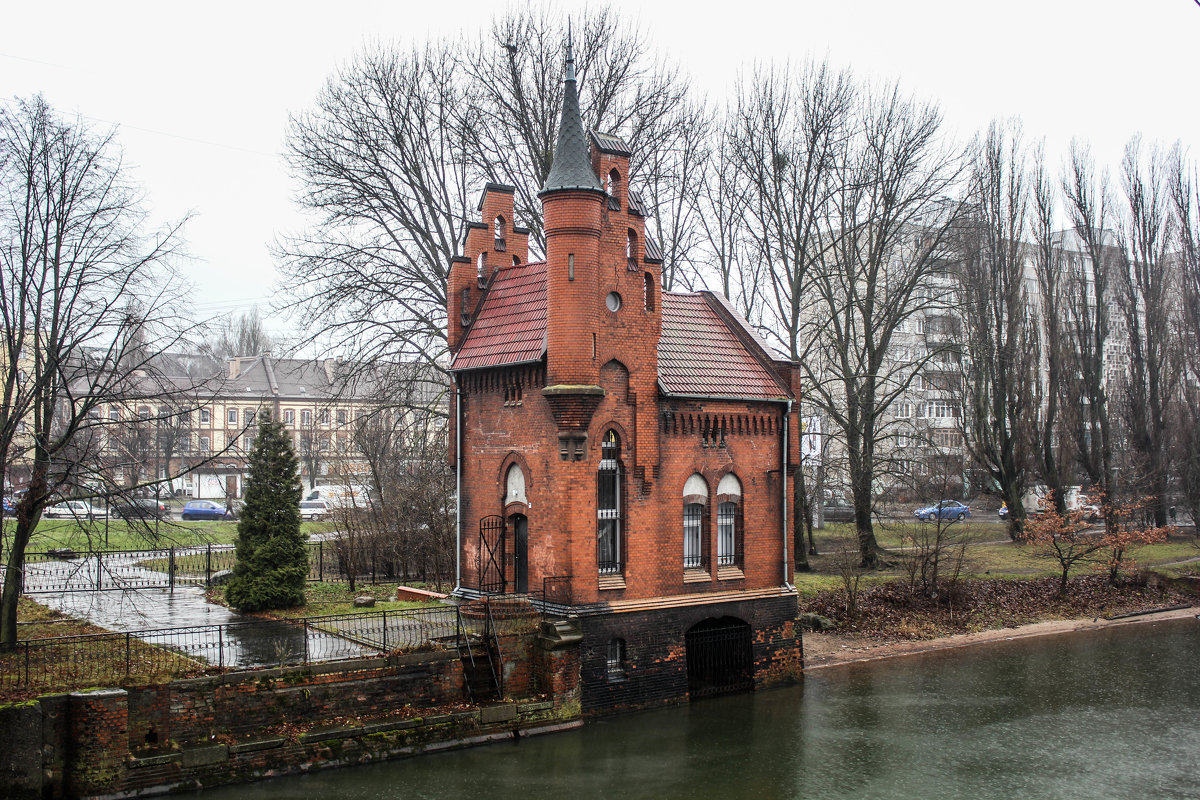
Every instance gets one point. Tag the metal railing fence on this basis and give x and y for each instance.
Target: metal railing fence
(101, 570)
(166, 653)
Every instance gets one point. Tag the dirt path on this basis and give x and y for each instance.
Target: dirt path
(823, 650)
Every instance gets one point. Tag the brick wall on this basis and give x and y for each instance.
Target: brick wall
(244, 726)
(656, 665)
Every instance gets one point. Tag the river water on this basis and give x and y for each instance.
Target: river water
(1110, 714)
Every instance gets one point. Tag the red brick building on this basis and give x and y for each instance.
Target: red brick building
(624, 450)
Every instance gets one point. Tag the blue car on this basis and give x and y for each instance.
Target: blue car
(203, 509)
(946, 509)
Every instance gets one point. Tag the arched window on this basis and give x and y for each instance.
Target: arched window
(481, 270)
(499, 228)
(648, 291)
(614, 190)
(608, 505)
(514, 485)
(695, 499)
(631, 249)
(516, 261)
(729, 518)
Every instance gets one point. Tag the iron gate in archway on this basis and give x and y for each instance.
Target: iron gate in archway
(490, 565)
(720, 657)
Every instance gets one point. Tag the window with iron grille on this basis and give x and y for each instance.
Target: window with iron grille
(608, 506)
(614, 660)
(726, 534)
(693, 525)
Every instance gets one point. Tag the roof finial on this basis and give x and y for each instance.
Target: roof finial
(570, 53)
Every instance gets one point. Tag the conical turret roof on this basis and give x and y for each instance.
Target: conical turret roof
(572, 165)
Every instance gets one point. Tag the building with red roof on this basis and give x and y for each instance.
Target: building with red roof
(624, 454)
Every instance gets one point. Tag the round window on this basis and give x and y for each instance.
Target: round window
(613, 301)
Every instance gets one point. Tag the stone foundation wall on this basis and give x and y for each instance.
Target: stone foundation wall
(655, 670)
(245, 726)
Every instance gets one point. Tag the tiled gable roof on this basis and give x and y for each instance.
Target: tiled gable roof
(510, 328)
(700, 355)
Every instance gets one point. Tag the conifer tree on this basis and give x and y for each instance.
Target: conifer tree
(272, 562)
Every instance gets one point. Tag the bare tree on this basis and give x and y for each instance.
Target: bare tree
(999, 326)
(514, 79)
(885, 244)
(81, 290)
(723, 200)
(237, 335)
(385, 178)
(1184, 184)
(1146, 293)
(1090, 261)
(399, 141)
(1054, 455)
(671, 177)
(789, 131)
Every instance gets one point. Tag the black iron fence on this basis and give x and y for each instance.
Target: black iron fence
(167, 653)
(70, 571)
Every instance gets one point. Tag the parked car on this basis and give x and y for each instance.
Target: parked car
(838, 510)
(944, 509)
(140, 509)
(8, 507)
(73, 509)
(204, 509)
(314, 509)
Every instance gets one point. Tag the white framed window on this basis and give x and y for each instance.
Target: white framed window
(695, 498)
(231, 416)
(728, 533)
(205, 415)
(306, 418)
(289, 416)
(323, 417)
(904, 409)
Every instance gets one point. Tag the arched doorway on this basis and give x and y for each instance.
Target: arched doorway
(720, 657)
(520, 529)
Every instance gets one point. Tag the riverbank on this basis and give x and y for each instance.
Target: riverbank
(831, 649)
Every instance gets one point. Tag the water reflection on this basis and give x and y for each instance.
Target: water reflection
(1111, 714)
(253, 642)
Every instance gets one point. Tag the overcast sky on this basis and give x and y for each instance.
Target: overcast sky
(201, 92)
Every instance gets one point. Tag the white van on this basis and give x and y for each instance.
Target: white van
(341, 496)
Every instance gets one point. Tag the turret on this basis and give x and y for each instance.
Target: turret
(572, 204)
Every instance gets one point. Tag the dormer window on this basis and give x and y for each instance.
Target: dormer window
(499, 227)
(614, 190)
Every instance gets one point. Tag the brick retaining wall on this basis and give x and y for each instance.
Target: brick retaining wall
(240, 727)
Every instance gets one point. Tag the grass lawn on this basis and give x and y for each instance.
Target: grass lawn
(325, 599)
(1002, 582)
(116, 534)
(112, 661)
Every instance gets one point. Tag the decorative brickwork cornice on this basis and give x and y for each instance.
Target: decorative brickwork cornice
(573, 405)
